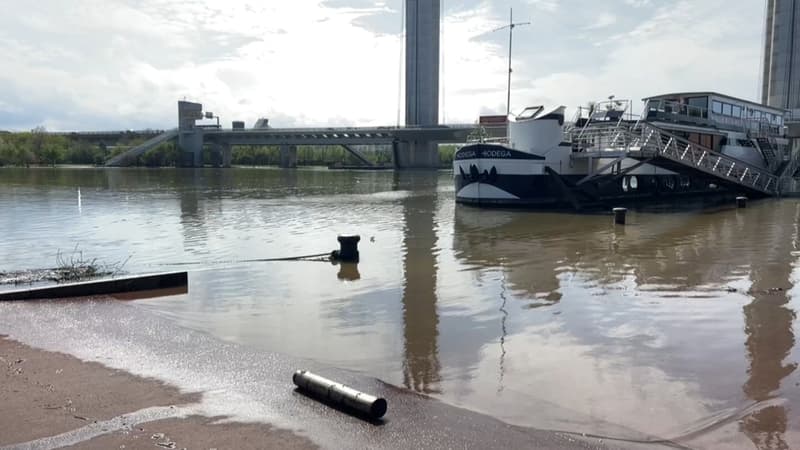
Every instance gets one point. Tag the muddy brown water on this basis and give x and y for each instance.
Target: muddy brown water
(680, 325)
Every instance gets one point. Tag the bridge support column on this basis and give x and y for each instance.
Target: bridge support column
(416, 155)
(288, 157)
(190, 145)
(221, 155)
(227, 155)
(190, 138)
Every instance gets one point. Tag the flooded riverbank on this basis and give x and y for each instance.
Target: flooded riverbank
(679, 325)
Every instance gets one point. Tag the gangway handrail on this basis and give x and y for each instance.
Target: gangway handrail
(680, 150)
(648, 141)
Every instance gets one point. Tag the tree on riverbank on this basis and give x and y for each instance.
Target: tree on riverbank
(52, 150)
(38, 147)
(15, 151)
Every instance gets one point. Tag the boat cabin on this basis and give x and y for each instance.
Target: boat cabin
(714, 110)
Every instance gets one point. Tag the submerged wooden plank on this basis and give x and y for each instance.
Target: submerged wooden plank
(100, 287)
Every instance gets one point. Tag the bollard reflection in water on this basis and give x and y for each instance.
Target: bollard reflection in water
(348, 272)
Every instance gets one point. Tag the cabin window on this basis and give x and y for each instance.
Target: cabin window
(698, 106)
(716, 107)
(726, 109)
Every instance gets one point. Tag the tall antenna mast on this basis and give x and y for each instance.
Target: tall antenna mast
(511, 25)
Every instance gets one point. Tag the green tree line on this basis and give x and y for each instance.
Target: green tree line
(40, 148)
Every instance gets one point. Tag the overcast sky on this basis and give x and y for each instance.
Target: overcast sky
(119, 64)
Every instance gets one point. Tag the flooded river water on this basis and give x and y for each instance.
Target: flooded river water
(679, 326)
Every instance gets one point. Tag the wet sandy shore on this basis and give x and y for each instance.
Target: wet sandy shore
(137, 380)
(46, 395)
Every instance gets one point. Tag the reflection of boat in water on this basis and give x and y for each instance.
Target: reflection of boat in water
(643, 275)
(688, 145)
(677, 252)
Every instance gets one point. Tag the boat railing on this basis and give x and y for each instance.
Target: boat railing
(607, 111)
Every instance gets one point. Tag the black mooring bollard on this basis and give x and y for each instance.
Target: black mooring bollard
(619, 215)
(741, 202)
(340, 394)
(348, 249)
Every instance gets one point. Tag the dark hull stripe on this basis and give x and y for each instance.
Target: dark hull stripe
(544, 191)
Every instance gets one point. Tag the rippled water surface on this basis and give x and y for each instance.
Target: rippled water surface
(679, 326)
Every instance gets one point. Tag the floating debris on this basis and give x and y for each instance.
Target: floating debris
(60, 275)
(74, 267)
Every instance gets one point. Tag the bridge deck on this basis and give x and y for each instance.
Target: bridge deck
(345, 136)
(339, 136)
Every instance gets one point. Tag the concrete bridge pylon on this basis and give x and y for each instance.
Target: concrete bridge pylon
(422, 81)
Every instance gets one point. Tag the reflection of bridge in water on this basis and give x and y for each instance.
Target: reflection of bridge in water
(421, 367)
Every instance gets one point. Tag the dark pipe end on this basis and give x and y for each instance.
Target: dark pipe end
(295, 375)
(378, 408)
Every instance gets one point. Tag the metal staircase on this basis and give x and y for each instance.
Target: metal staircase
(789, 185)
(771, 155)
(643, 141)
(357, 155)
(129, 157)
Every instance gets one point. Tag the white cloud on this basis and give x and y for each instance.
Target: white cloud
(637, 3)
(545, 5)
(664, 53)
(124, 64)
(242, 60)
(602, 20)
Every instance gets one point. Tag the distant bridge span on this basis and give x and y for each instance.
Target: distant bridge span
(110, 136)
(338, 136)
(192, 139)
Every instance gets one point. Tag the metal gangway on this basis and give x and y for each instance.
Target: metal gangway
(650, 144)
